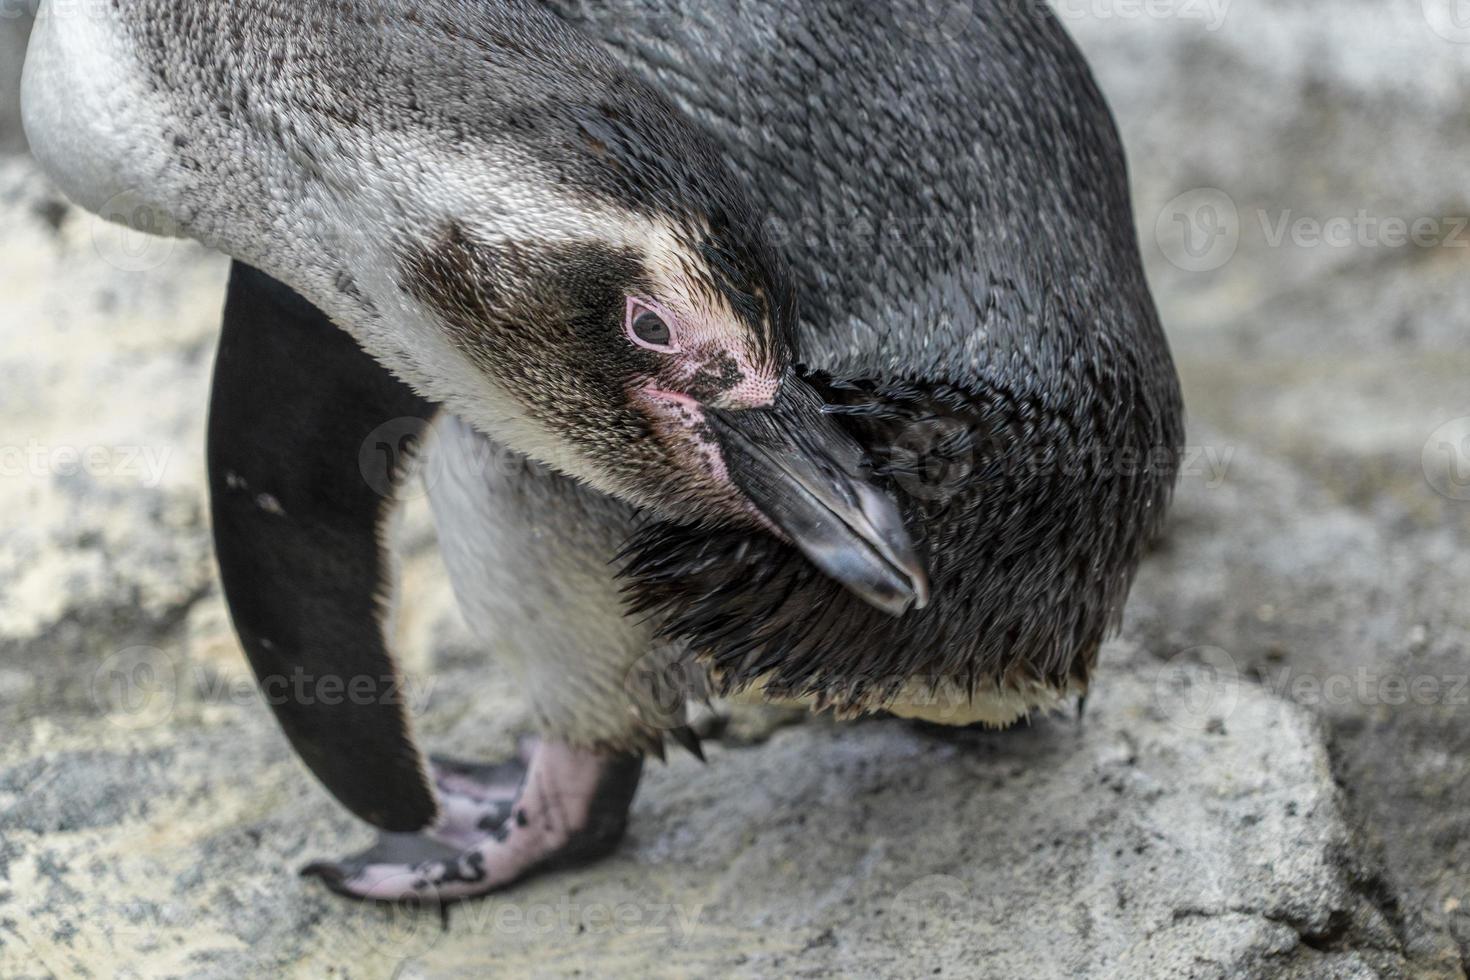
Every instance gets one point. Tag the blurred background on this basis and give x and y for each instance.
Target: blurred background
(1273, 777)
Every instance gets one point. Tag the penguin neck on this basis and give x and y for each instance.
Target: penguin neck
(301, 140)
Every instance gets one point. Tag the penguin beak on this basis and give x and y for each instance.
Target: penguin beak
(804, 475)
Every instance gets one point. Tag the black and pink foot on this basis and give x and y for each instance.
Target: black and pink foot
(555, 807)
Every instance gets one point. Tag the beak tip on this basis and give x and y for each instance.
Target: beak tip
(919, 594)
(806, 477)
(922, 594)
(895, 597)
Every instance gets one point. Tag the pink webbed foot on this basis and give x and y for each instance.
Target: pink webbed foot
(476, 798)
(498, 825)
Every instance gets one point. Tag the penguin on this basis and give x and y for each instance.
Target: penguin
(808, 347)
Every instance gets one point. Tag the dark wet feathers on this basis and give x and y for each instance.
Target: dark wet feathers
(954, 205)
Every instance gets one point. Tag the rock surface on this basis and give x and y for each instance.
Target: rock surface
(1158, 837)
(1272, 779)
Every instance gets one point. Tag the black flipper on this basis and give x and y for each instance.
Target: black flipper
(297, 521)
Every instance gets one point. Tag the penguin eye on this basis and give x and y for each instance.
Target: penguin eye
(648, 328)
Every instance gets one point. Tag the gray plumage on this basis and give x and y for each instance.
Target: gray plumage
(949, 216)
(972, 292)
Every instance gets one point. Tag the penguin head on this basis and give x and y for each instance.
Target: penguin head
(616, 311)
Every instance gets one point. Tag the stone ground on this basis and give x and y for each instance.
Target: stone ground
(1272, 779)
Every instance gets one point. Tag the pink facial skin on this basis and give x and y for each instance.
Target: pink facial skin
(679, 417)
(703, 364)
(709, 361)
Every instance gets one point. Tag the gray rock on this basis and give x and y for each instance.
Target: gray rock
(1185, 827)
(1330, 561)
